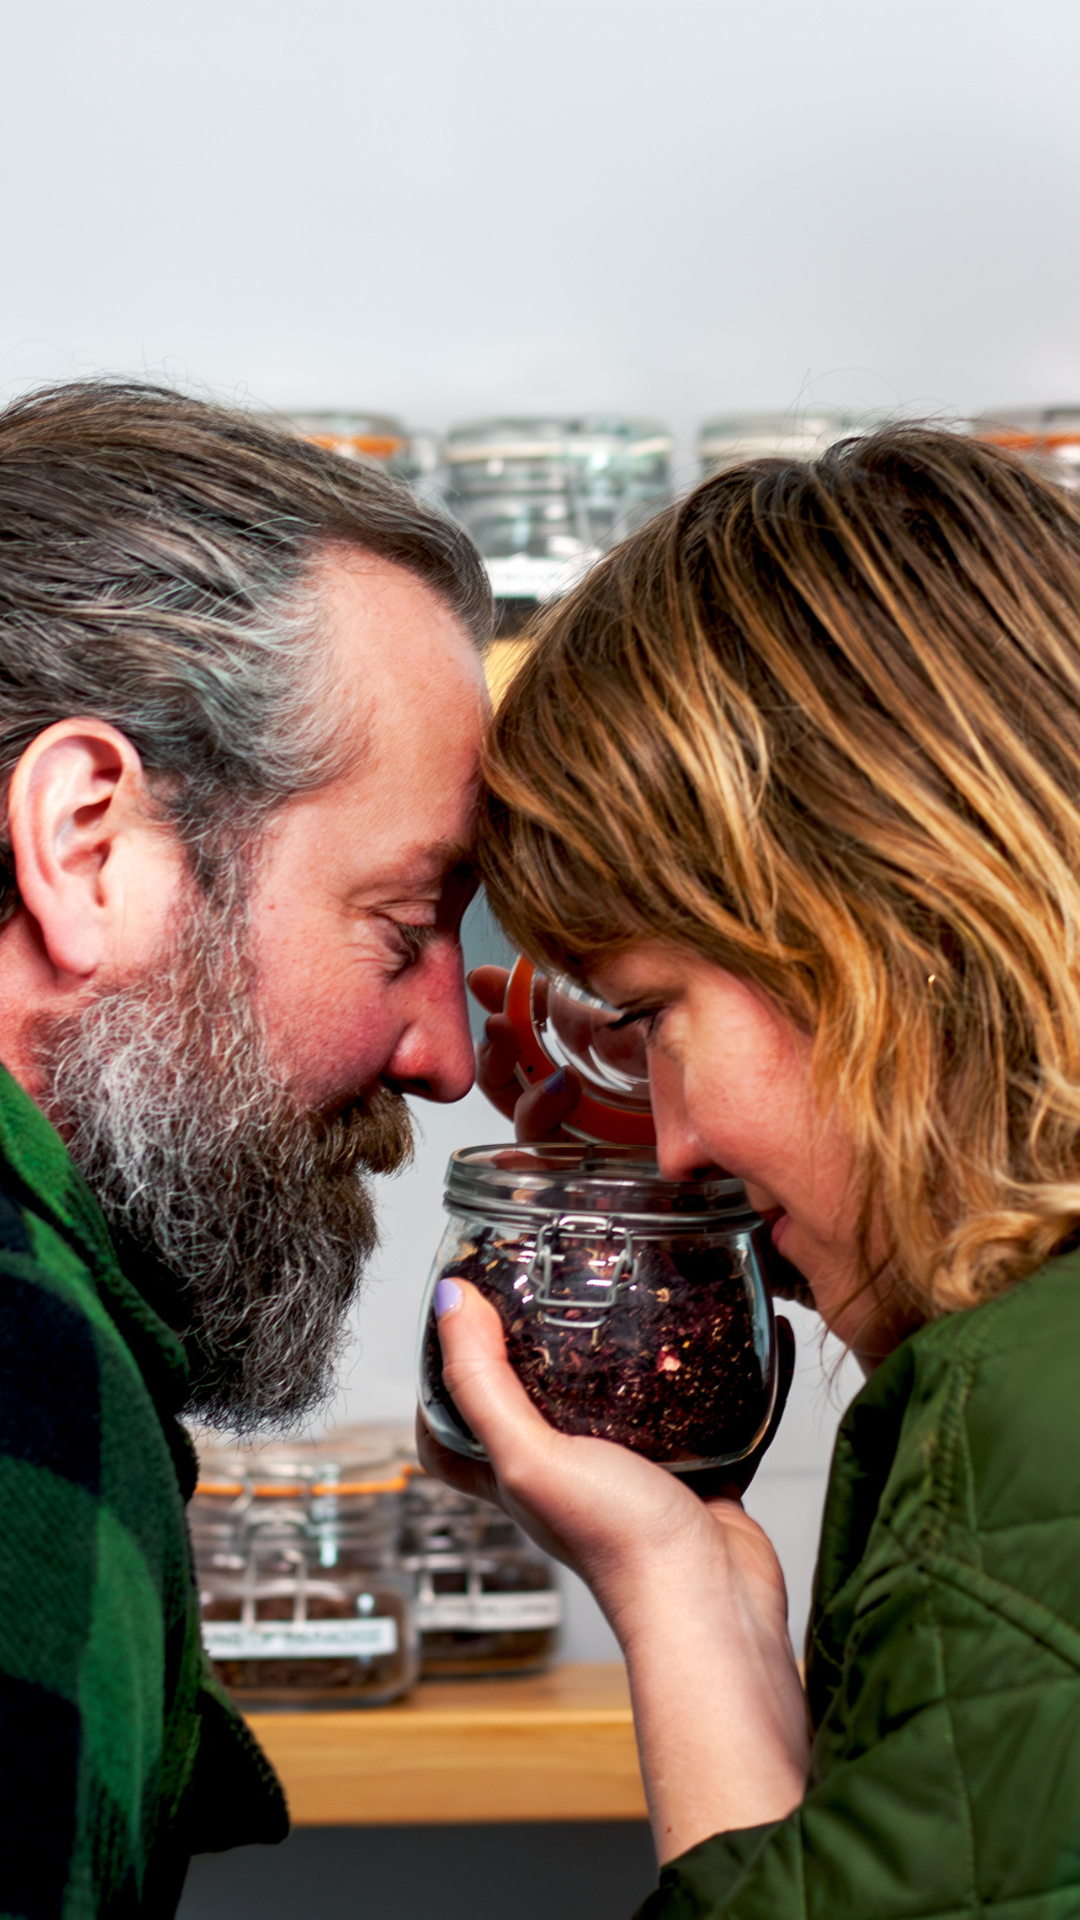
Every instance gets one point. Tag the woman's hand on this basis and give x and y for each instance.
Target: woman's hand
(537, 1112)
(692, 1589)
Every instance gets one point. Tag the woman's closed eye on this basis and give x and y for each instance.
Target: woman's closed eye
(646, 1017)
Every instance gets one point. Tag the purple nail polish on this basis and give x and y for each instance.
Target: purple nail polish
(557, 1082)
(448, 1297)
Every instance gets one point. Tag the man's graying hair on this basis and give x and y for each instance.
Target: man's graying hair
(155, 554)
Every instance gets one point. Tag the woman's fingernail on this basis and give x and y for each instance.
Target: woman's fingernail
(557, 1082)
(448, 1297)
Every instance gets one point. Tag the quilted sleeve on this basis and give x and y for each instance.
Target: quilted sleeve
(947, 1773)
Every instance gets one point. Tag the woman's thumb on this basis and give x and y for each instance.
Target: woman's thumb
(476, 1372)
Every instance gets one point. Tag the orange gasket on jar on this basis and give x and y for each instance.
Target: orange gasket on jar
(377, 446)
(297, 1489)
(1027, 442)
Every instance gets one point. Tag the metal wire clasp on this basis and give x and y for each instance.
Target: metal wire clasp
(596, 1296)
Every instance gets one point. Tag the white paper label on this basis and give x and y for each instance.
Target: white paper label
(300, 1639)
(528, 576)
(489, 1612)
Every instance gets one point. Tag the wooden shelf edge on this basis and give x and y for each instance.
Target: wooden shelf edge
(555, 1746)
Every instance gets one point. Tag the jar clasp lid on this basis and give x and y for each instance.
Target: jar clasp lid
(588, 1308)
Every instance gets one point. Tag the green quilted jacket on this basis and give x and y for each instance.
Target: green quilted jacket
(943, 1662)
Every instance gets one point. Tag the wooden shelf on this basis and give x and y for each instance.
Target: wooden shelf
(559, 1746)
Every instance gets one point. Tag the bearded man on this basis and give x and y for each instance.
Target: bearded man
(240, 708)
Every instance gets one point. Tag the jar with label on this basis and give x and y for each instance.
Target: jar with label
(544, 498)
(635, 1309)
(304, 1599)
(488, 1600)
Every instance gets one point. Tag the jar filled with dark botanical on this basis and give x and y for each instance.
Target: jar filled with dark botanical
(304, 1599)
(634, 1308)
(488, 1600)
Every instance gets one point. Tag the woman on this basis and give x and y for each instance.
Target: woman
(793, 778)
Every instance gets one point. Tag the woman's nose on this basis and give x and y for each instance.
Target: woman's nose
(678, 1149)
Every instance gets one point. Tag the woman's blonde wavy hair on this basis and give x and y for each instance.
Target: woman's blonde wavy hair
(822, 724)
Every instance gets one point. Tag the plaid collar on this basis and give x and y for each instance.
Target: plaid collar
(52, 1186)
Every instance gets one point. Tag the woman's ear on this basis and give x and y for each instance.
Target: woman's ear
(76, 798)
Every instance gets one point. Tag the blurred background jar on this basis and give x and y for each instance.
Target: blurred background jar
(488, 1600)
(411, 455)
(304, 1599)
(734, 437)
(1047, 436)
(543, 498)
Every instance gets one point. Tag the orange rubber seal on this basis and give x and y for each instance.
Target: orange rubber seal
(296, 1490)
(1029, 442)
(592, 1118)
(378, 446)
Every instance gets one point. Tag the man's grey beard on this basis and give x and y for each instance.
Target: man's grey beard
(202, 1161)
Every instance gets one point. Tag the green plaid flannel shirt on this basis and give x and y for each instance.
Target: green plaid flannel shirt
(119, 1755)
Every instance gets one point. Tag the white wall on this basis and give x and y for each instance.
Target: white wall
(447, 207)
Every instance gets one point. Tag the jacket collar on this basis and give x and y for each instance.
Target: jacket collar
(53, 1187)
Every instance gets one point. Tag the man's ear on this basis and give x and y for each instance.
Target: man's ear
(75, 796)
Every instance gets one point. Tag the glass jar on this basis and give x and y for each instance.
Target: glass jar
(488, 1600)
(558, 1023)
(728, 441)
(1049, 437)
(380, 437)
(544, 498)
(634, 1308)
(304, 1600)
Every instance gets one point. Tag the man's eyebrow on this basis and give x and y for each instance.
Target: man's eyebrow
(423, 865)
(444, 857)
(452, 853)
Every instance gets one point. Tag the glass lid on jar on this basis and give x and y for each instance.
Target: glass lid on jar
(370, 436)
(579, 1030)
(558, 1023)
(728, 441)
(733, 438)
(1049, 437)
(349, 1460)
(571, 1178)
(528, 453)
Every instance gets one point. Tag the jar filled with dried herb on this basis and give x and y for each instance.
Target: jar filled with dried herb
(634, 1308)
(488, 1600)
(304, 1598)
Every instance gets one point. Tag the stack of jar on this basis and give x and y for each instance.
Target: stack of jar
(544, 498)
(487, 1598)
(333, 1573)
(304, 1600)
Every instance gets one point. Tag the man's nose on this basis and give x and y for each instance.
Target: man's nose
(434, 1055)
